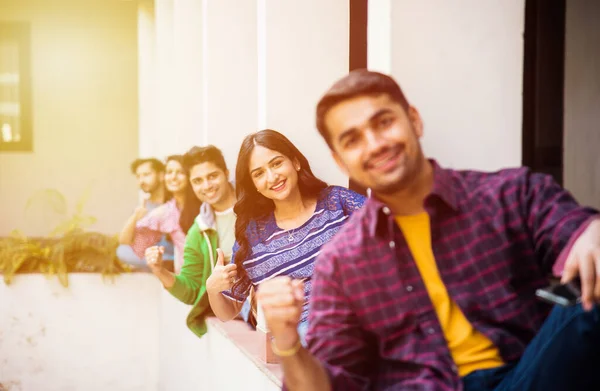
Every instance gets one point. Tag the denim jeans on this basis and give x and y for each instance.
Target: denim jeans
(246, 310)
(564, 355)
(126, 254)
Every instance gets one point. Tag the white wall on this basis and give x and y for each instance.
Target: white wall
(232, 370)
(231, 75)
(582, 101)
(148, 97)
(94, 335)
(185, 361)
(461, 64)
(128, 334)
(84, 71)
(260, 64)
(306, 51)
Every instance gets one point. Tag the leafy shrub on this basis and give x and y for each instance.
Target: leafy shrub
(68, 248)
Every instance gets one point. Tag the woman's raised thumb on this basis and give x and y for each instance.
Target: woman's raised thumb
(220, 257)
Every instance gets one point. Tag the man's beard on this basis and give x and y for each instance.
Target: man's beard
(150, 188)
(410, 173)
(393, 187)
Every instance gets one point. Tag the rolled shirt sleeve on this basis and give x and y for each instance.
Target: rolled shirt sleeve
(555, 220)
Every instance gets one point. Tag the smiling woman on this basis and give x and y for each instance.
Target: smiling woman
(284, 215)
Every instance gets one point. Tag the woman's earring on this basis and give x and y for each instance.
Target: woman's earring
(297, 168)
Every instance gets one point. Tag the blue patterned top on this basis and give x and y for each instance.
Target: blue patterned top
(278, 252)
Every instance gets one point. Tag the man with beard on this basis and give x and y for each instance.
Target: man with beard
(431, 285)
(209, 242)
(150, 174)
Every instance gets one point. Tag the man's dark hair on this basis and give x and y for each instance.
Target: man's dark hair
(199, 155)
(357, 83)
(156, 164)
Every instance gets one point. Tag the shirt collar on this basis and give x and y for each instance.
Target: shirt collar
(443, 188)
(206, 219)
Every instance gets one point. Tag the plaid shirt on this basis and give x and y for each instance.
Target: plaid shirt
(496, 238)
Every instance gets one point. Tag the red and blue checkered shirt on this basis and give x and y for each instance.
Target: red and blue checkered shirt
(496, 238)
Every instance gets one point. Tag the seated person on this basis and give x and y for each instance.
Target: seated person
(212, 229)
(284, 215)
(150, 175)
(173, 218)
(431, 285)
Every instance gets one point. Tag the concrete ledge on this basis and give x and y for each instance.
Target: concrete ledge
(120, 334)
(250, 344)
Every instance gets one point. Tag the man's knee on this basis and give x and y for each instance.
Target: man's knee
(126, 254)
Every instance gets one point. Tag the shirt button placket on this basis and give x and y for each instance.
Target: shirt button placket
(409, 288)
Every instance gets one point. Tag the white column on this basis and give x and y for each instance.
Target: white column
(306, 51)
(188, 76)
(166, 142)
(172, 71)
(231, 74)
(461, 65)
(261, 52)
(147, 118)
(379, 36)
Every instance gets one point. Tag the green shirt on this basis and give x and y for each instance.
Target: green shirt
(190, 283)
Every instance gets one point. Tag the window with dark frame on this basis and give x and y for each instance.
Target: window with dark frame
(543, 86)
(16, 133)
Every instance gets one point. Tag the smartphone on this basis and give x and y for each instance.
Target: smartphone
(562, 294)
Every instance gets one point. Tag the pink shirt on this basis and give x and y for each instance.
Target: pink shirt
(162, 220)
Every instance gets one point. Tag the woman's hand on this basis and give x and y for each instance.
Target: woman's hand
(223, 276)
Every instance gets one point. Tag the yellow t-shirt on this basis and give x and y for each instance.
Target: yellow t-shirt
(470, 349)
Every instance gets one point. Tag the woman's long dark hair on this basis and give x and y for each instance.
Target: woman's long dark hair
(251, 204)
(191, 203)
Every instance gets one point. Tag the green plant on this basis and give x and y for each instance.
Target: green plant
(68, 248)
(50, 205)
